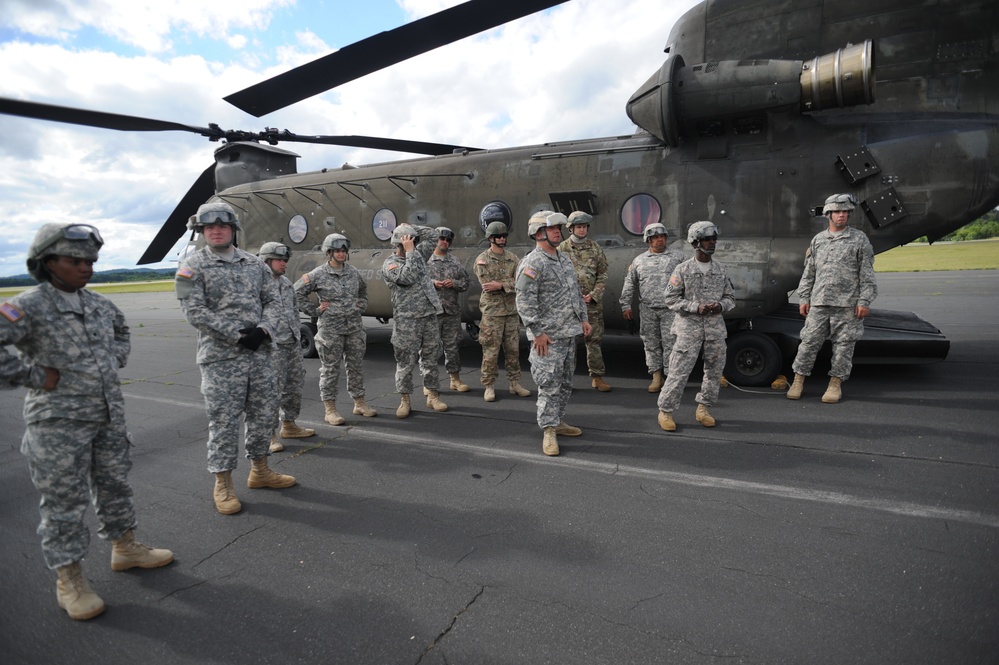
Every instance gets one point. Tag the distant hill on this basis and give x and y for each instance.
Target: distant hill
(102, 277)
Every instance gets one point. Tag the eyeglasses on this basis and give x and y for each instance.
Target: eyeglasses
(447, 239)
(499, 235)
(75, 232)
(216, 217)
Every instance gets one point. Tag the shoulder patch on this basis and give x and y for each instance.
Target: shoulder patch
(480, 262)
(186, 273)
(531, 272)
(305, 278)
(11, 313)
(674, 280)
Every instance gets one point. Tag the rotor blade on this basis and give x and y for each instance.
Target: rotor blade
(374, 142)
(72, 116)
(380, 51)
(175, 225)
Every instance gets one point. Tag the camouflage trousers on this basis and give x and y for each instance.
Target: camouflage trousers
(74, 463)
(241, 389)
(681, 362)
(450, 327)
(552, 373)
(496, 332)
(654, 329)
(415, 340)
(594, 356)
(841, 327)
(289, 373)
(336, 350)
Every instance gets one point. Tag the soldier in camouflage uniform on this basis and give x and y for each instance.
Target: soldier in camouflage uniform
(71, 343)
(231, 298)
(648, 276)
(499, 326)
(341, 339)
(835, 296)
(450, 279)
(699, 291)
(591, 272)
(552, 307)
(286, 358)
(416, 334)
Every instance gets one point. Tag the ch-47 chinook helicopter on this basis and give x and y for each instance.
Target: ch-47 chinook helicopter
(760, 110)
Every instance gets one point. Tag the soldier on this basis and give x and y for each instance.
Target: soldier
(591, 272)
(343, 297)
(552, 307)
(70, 343)
(649, 274)
(231, 298)
(699, 290)
(286, 358)
(415, 332)
(495, 269)
(450, 279)
(835, 296)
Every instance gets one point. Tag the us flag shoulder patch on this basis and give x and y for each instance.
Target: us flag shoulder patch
(11, 313)
(531, 272)
(305, 278)
(186, 273)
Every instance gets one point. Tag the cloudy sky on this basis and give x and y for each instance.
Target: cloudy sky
(565, 73)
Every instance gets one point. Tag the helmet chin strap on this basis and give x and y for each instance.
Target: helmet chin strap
(553, 245)
(55, 278)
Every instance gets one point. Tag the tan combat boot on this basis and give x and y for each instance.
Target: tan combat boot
(127, 552)
(666, 421)
(403, 410)
(275, 446)
(599, 383)
(332, 417)
(490, 394)
(834, 391)
(434, 401)
(565, 429)
(361, 408)
(261, 475)
(75, 595)
(549, 446)
(456, 383)
(291, 430)
(703, 416)
(519, 390)
(225, 494)
(657, 381)
(794, 392)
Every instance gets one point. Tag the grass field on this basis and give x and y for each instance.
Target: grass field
(968, 255)
(123, 287)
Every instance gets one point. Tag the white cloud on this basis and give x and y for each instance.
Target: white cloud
(556, 75)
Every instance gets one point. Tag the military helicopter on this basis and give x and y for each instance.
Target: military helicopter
(759, 111)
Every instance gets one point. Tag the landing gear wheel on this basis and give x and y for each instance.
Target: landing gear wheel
(309, 341)
(753, 359)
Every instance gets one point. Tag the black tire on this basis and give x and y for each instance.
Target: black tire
(753, 359)
(309, 341)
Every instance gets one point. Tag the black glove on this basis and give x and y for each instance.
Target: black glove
(252, 338)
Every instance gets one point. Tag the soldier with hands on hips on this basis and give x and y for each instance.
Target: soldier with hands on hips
(647, 277)
(552, 307)
(835, 294)
(450, 278)
(591, 272)
(71, 342)
(341, 339)
(286, 357)
(231, 298)
(699, 291)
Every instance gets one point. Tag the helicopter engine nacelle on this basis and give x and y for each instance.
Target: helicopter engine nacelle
(680, 101)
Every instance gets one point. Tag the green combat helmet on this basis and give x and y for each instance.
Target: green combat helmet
(81, 241)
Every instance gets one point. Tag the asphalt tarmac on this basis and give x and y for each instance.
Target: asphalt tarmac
(793, 532)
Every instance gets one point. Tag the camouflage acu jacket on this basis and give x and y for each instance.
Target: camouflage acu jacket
(86, 349)
(448, 267)
(839, 270)
(502, 268)
(590, 264)
(548, 297)
(345, 291)
(689, 287)
(649, 274)
(413, 294)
